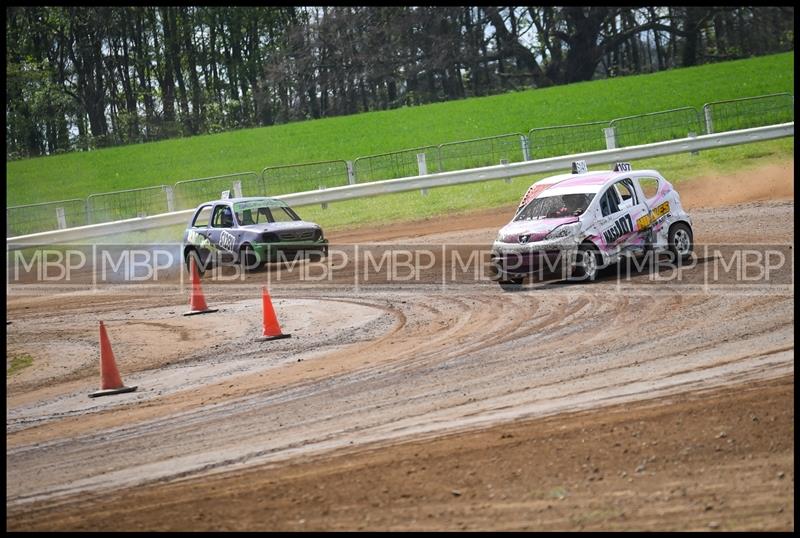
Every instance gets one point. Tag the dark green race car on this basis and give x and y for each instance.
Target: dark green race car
(250, 231)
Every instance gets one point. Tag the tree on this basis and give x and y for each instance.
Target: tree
(85, 77)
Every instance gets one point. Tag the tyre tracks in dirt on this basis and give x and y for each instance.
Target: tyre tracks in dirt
(432, 362)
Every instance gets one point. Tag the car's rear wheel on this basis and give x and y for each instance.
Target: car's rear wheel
(680, 240)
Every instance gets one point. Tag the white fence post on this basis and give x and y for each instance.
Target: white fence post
(89, 210)
(505, 162)
(351, 173)
(237, 189)
(323, 205)
(709, 120)
(423, 170)
(170, 199)
(422, 165)
(526, 148)
(694, 135)
(62, 220)
(611, 138)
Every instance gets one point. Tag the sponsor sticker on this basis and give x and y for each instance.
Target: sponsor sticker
(646, 221)
(621, 226)
(226, 241)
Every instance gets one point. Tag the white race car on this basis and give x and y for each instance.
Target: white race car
(587, 220)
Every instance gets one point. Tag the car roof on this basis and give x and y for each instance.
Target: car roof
(595, 179)
(589, 178)
(264, 199)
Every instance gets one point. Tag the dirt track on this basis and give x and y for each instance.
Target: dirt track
(397, 401)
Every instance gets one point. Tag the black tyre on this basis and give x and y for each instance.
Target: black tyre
(680, 240)
(193, 254)
(511, 284)
(248, 258)
(587, 263)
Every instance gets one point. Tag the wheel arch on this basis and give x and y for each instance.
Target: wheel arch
(680, 221)
(187, 249)
(589, 242)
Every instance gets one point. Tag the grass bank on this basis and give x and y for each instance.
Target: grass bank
(76, 175)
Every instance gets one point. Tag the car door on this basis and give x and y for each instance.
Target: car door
(198, 231)
(221, 234)
(654, 194)
(620, 206)
(635, 206)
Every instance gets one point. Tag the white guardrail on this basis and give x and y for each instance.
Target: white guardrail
(387, 186)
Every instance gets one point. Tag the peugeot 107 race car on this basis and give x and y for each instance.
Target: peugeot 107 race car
(584, 221)
(250, 231)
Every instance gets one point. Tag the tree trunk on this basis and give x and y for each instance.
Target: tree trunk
(164, 75)
(173, 53)
(510, 46)
(583, 53)
(196, 123)
(140, 55)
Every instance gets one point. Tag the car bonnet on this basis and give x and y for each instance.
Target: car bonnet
(536, 230)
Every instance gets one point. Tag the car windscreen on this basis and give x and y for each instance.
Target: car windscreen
(261, 213)
(558, 206)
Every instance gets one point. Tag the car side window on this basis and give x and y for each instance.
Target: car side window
(246, 217)
(202, 217)
(609, 203)
(626, 192)
(223, 217)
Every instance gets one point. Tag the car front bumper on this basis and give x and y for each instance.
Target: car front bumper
(510, 260)
(288, 251)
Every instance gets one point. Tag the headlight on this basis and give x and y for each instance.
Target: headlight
(565, 230)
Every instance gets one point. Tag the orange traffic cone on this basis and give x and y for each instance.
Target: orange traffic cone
(110, 382)
(272, 331)
(197, 301)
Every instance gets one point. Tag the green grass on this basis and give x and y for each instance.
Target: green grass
(460, 199)
(18, 364)
(77, 175)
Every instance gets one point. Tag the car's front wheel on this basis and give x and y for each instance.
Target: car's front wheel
(587, 263)
(193, 255)
(248, 258)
